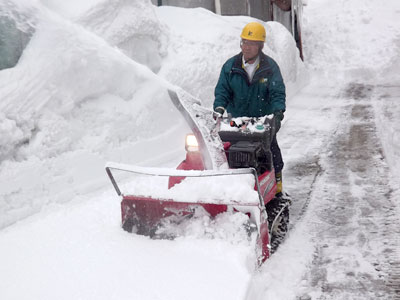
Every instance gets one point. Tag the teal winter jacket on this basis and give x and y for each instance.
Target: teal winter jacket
(264, 95)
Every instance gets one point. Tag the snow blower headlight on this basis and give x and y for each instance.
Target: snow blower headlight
(191, 144)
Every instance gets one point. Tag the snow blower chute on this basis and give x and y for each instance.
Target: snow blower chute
(228, 168)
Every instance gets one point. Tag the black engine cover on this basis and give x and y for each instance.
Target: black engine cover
(248, 150)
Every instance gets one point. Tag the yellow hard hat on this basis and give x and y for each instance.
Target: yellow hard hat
(254, 32)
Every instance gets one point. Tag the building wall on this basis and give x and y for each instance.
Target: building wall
(234, 8)
(12, 42)
(260, 9)
(207, 4)
(256, 8)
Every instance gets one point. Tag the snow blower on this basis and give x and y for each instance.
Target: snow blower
(228, 168)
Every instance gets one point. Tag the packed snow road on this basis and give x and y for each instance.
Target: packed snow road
(344, 220)
(344, 173)
(355, 208)
(354, 221)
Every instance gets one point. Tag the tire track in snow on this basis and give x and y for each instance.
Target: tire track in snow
(311, 169)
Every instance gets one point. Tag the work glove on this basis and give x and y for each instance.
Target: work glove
(278, 119)
(218, 112)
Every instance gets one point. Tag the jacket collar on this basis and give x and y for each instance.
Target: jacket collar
(263, 65)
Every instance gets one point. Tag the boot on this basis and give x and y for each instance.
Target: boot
(278, 178)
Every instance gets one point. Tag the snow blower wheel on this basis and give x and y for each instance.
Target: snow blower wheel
(278, 221)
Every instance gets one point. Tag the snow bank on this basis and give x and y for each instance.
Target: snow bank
(359, 57)
(281, 46)
(72, 97)
(68, 74)
(71, 9)
(131, 26)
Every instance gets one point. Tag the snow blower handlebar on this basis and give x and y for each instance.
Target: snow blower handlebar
(114, 183)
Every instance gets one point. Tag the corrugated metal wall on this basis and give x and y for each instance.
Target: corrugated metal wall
(207, 4)
(259, 9)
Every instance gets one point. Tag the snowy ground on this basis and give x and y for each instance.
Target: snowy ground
(79, 97)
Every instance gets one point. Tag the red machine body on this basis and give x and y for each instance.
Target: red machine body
(144, 213)
(247, 151)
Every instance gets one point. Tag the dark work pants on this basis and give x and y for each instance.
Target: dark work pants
(276, 155)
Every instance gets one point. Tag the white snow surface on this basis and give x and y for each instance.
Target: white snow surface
(85, 92)
(206, 186)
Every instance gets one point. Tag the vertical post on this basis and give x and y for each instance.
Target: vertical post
(218, 7)
(271, 11)
(159, 2)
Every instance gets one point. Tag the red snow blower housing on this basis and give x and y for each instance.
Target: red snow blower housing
(246, 185)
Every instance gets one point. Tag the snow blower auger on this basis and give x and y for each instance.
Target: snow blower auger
(228, 168)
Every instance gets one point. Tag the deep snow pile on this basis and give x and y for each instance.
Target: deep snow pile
(141, 36)
(75, 100)
(72, 102)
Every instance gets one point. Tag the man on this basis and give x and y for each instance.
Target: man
(251, 84)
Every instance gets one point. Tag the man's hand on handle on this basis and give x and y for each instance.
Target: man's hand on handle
(278, 119)
(218, 112)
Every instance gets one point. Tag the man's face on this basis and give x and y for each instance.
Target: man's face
(250, 49)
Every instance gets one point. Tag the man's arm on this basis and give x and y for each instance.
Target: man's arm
(223, 91)
(277, 90)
